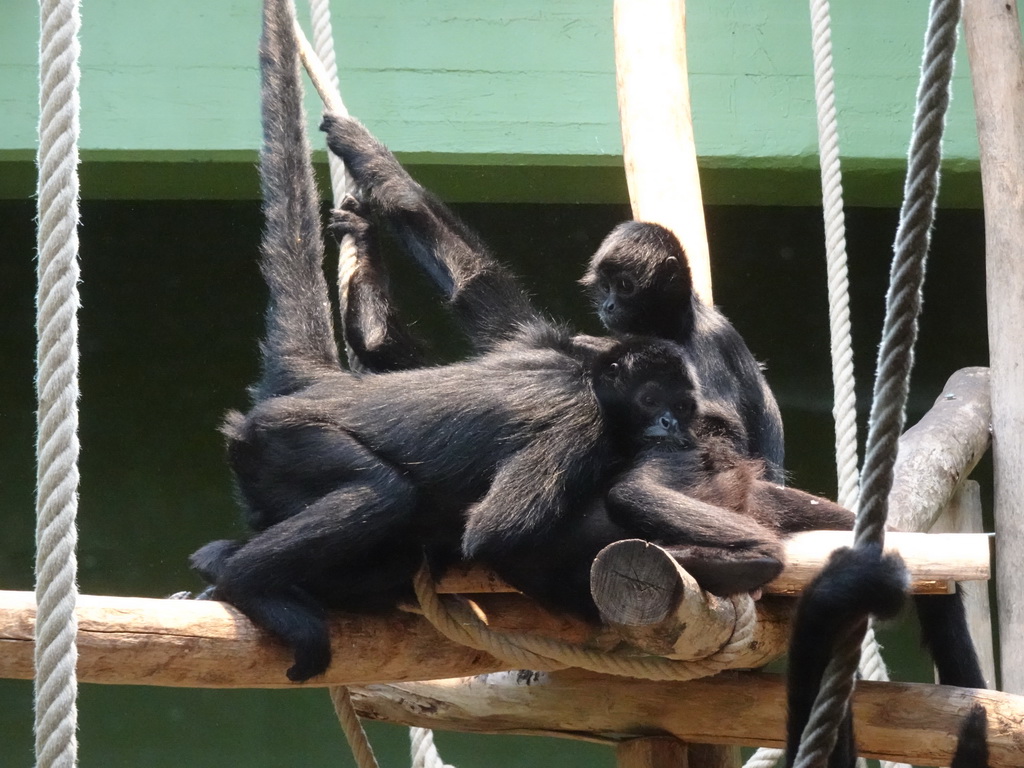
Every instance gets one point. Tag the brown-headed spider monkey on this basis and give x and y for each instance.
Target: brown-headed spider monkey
(346, 478)
(732, 518)
(853, 585)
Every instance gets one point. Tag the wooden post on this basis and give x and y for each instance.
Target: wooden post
(652, 752)
(657, 131)
(997, 74)
(661, 161)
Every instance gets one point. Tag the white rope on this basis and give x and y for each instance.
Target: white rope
(844, 410)
(423, 750)
(323, 71)
(57, 448)
(325, 80)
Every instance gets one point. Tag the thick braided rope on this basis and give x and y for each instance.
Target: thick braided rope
(325, 80)
(423, 750)
(57, 445)
(458, 623)
(895, 357)
(352, 728)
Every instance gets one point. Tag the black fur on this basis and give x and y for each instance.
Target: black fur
(972, 744)
(855, 583)
(488, 301)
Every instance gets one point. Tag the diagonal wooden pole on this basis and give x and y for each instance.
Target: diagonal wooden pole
(997, 74)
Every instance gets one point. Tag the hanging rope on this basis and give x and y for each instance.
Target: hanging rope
(321, 65)
(844, 410)
(57, 447)
(325, 80)
(895, 357)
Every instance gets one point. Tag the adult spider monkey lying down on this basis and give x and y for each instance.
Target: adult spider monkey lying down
(346, 478)
(736, 519)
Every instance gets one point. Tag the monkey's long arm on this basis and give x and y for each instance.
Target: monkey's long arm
(487, 300)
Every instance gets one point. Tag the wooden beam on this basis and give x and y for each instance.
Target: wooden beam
(202, 643)
(909, 722)
(938, 453)
(657, 130)
(997, 73)
(935, 561)
(207, 644)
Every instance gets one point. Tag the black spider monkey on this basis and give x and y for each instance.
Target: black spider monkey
(346, 478)
(639, 278)
(854, 584)
(705, 500)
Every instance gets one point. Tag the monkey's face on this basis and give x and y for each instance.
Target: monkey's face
(646, 392)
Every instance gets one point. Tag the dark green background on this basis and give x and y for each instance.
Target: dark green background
(171, 309)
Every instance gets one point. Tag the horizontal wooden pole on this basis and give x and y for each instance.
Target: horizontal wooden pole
(935, 561)
(908, 722)
(208, 644)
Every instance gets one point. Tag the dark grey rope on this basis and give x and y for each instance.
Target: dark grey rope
(895, 355)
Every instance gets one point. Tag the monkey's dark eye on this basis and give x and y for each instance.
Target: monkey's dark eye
(625, 286)
(603, 285)
(613, 370)
(647, 400)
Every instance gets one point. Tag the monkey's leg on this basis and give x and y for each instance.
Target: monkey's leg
(726, 552)
(272, 578)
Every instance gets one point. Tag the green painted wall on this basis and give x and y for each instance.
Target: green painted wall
(465, 90)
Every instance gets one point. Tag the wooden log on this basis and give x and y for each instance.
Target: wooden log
(964, 515)
(934, 564)
(996, 56)
(657, 132)
(656, 606)
(909, 722)
(939, 452)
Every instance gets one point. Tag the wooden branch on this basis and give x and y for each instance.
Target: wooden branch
(206, 644)
(996, 55)
(939, 452)
(933, 559)
(909, 722)
(657, 132)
